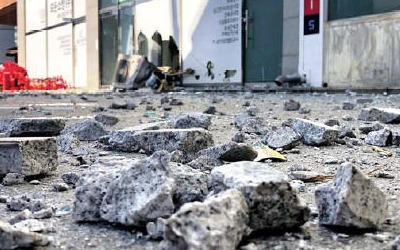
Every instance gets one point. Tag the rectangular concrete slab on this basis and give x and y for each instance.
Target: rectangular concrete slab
(28, 156)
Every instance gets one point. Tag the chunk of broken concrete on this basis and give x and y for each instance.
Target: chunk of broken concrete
(219, 222)
(189, 141)
(107, 120)
(12, 238)
(192, 120)
(351, 200)
(28, 155)
(273, 203)
(191, 184)
(313, 133)
(32, 127)
(284, 137)
(87, 130)
(379, 138)
(385, 115)
(250, 124)
(141, 193)
(231, 152)
(291, 105)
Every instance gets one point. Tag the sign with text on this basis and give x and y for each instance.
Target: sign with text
(311, 17)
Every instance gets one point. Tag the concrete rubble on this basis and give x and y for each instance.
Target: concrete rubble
(189, 140)
(32, 127)
(385, 115)
(220, 222)
(351, 200)
(313, 133)
(283, 137)
(13, 238)
(168, 184)
(28, 156)
(273, 203)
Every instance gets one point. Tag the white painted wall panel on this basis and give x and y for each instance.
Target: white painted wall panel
(58, 11)
(157, 15)
(211, 40)
(80, 57)
(60, 54)
(36, 55)
(79, 8)
(35, 15)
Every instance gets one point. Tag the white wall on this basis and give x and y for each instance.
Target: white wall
(80, 57)
(211, 35)
(36, 54)
(7, 40)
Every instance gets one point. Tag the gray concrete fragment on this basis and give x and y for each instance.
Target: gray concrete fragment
(273, 203)
(191, 184)
(205, 163)
(90, 191)
(70, 178)
(11, 238)
(88, 130)
(28, 155)
(313, 133)
(107, 120)
(394, 245)
(385, 115)
(380, 138)
(13, 179)
(351, 200)
(369, 127)
(67, 143)
(348, 105)
(189, 141)
(25, 202)
(155, 230)
(230, 152)
(219, 222)
(284, 137)
(396, 137)
(141, 193)
(32, 127)
(193, 120)
(250, 124)
(291, 105)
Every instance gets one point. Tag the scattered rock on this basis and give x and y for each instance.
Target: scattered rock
(193, 120)
(210, 110)
(380, 138)
(219, 222)
(88, 130)
(291, 105)
(155, 230)
(205, 163)
(189, 141)
(67, 142)
(351, 200)
(32, 127)
(385, 115)
(70, 178)
(28, 156)
(369, 127)
(107, 120)
(118, 104)
(273, 203)
(13, 179)
(348, 105)
(23, 215)
(11, 238)
(230, 152)
(250, 124)
(149, 196)
(313, 133)
(284, 137)
(60, 187)
(25, 202)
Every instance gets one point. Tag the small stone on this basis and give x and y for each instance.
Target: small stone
(12, 179)
(210, 110)
(35, 182)
(348, 106)
(70, 178)
(60, 187)
(291, 105)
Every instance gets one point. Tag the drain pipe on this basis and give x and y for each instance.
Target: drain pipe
(294, 78)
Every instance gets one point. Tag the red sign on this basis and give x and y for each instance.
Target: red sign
(311, 7)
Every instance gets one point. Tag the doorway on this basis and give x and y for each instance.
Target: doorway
(262, 40)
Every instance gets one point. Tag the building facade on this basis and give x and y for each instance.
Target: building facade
(8, 23)
(224, 41)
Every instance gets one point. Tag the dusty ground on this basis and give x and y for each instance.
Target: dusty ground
(70, 235)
